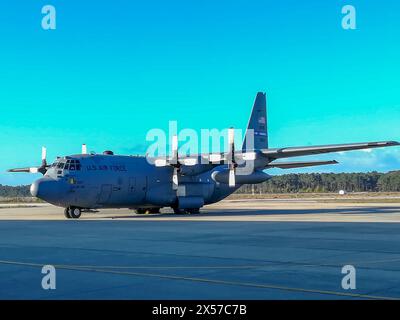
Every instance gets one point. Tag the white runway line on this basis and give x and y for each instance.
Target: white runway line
(205, 280)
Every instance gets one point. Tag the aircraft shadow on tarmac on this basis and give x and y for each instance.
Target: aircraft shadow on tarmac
(260, 212)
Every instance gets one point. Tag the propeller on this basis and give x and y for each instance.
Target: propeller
(171, 161)
(175, 162)
(42, 168)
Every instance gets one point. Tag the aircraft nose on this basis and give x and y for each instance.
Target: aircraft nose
(45, 189)
(34, 188)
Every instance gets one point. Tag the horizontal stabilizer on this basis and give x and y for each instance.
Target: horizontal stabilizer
(299, 164)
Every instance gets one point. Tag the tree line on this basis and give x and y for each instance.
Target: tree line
(328, 182)
(14, 192)
(292, 183)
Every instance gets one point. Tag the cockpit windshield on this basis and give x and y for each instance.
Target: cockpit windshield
(67, 164)
(72, 165)
(60, 165)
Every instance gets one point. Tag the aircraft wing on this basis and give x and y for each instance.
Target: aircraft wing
(305, 151)
(299, 164)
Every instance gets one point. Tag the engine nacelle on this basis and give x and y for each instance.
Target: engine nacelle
(195, 170)
(255, 177)
(162, 196)
(190, 202)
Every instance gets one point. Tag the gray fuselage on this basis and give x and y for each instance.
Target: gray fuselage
(112, 181)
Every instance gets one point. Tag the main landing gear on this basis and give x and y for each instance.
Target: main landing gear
(188, 211)
(72, 212)
(147, 210)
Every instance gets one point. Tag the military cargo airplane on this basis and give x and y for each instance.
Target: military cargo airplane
(88, 181)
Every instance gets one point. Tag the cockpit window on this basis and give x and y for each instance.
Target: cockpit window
(69, 164)
(60, 165)
(73, 165)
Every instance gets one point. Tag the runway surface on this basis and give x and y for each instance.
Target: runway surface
(234, 250)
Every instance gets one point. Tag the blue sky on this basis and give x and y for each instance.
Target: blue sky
(112, 70)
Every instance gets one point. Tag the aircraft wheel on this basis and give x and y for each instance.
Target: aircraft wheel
(75, 213)
(154, 210)
(66, 213)
(193, 210)
(140, 211)
(179, 211)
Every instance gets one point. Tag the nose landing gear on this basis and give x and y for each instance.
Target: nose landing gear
(72, 212)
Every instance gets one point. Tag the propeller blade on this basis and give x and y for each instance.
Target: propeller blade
(84, 149)
(175, 179)
(250, 156)
(43, 168)
(44, 153)
(188, 161)
(231, 144)
(232, 181)
(231, 139)
(215, 157)
(231, 158)
(231, 136)
(174, 146)
(34, 170)
(161, 162)
(19, 170)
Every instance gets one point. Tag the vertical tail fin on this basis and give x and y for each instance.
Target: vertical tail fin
(257, 125)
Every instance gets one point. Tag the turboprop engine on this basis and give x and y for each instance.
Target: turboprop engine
(255, 177)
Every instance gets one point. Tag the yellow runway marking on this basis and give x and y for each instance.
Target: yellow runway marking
(204, 280)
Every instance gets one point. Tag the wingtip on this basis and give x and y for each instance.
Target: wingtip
(384, 144)
(389, 143)
(392, 143)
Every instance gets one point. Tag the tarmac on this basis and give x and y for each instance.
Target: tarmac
(237, 249)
